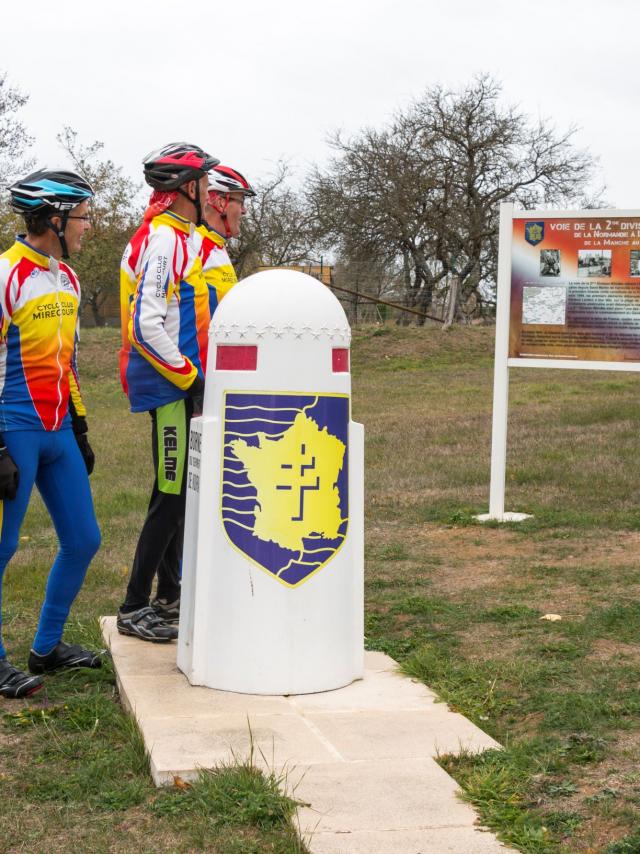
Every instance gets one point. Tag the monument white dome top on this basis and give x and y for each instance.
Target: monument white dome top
(280, 304)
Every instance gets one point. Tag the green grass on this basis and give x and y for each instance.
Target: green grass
(457, 603)
(73, 770)
(629, 845)
(461, 609)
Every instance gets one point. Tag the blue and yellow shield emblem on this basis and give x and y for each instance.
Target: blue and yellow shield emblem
(285, 484)
(534, 232)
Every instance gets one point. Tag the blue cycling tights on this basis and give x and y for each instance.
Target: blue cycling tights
(52, 460)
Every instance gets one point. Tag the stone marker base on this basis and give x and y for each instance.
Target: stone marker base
(506, 517)
(361, 756)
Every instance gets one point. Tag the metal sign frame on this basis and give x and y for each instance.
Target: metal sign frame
(503, 362)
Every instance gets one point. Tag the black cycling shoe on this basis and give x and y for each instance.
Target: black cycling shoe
(169, 611)
(146, 624)
(64, 655)
(15, 684)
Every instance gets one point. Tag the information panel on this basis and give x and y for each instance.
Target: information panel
(575, 288)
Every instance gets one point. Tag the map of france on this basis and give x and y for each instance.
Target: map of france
(295, 478)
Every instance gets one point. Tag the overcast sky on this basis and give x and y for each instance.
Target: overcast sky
(257, 81)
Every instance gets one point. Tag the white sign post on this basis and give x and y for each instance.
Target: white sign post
(501, 378)
(568, 296)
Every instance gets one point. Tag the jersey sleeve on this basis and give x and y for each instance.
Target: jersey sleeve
(5, 268)
(7, 287)
(74, 382)
(160, 270)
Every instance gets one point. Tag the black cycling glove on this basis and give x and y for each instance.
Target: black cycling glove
(80, 430)
(85, 449)
(9, 474)
(196, 393)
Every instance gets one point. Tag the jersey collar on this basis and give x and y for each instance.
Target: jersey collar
(33, 254)
(175, 221)
(212, 234)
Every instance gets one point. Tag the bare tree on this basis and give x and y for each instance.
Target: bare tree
(375, 201)
(367, 276)
(14, 139)
(278, 228)
(113, 217)
(425, 190)
(14, 147)
(485, 154)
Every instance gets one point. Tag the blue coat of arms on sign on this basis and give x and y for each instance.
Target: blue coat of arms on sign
(285, 483)
(534, 232)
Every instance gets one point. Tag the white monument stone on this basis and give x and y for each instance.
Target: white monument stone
(272, 586)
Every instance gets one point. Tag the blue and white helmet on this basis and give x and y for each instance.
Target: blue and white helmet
(48, 189)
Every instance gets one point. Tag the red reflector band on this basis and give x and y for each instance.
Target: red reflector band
(340, 357)
(230, 357)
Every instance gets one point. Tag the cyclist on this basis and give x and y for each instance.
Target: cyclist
(165, 321)
(228, 192)
(42, 416)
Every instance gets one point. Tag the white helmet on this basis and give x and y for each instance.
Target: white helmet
(224, 179)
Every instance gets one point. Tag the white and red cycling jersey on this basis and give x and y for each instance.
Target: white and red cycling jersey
(164, 306)
(39, 309)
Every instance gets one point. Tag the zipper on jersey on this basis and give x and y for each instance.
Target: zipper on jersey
(59, 304)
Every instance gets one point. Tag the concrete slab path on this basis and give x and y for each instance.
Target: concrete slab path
(362, 757)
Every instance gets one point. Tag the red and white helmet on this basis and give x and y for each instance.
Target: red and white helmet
(224, 179)
(173, 165)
